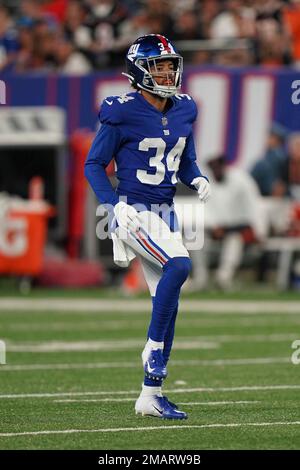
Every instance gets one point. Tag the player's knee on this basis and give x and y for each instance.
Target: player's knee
(180, 266)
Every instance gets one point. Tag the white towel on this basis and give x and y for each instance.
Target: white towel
(123, 254)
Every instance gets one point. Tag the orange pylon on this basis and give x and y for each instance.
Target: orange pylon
(134, 281)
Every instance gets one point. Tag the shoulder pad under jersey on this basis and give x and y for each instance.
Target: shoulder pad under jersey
(114, 108)
(188, 104)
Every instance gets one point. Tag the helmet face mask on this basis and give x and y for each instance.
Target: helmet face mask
(152, 73)
(144, 70)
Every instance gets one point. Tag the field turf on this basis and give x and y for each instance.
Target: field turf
(73, 374)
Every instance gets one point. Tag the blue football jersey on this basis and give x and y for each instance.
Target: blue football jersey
(152, 150)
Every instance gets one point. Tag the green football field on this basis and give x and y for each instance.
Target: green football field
(73, 373)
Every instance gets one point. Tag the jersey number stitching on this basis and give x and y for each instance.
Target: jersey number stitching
(172, 160)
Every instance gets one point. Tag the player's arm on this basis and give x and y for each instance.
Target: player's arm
(102, 151)
(105, 146)
(189, 173)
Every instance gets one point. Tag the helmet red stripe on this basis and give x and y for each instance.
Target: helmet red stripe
(164, 42)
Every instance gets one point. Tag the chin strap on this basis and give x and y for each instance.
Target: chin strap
(130, 77)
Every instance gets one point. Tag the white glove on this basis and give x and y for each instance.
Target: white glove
(203, 188)
(127, 217)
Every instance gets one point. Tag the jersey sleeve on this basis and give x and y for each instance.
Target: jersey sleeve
(110, 111)
(188, 107)
(193, 111)
(188, 168)
(102, 151)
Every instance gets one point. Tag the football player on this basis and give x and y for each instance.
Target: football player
(149, 134)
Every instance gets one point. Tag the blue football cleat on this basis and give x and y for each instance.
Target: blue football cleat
(159, 407)
(154, 366)
(171, 403)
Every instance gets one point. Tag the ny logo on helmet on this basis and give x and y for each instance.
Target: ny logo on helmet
(133, 50)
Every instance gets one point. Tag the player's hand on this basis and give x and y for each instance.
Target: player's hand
(127, 217)
(203, 188)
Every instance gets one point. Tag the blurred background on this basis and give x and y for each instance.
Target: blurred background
(59, 59)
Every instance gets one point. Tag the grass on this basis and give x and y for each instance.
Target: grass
(8, 288)
(222, 414)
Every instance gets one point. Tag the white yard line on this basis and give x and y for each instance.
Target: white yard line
(276, 337)
(250, 338)
(185, 343)
(136, 324)
(129, 306)
(124, 400)
(121, 365)
(151, 428)
(181, 343)
(244, 388)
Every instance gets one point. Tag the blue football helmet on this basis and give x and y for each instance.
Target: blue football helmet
(142, 59)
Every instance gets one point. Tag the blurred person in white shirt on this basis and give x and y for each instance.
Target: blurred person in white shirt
(69, 60)
(235, 21)
(231, 218)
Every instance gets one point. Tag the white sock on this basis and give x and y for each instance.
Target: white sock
(150, 345)
(150, 391)
(154, 344)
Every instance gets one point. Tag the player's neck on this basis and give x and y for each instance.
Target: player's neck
(156, 101)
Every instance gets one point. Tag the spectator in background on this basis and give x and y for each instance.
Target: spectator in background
(76, 28)
(105, 20)
(157, 24)
(236, 21)
(33, 10)
(135, 26)
(292, 174)
(37, 46)
(231, 218)
(9, 44)
(293, 178)
(55, 8)
(272, 49)
(272, 42)
(103, 29)
(161, 9)
(23, 59)
(44, 46)
(69, 61)
(187, 26)
(178, 6)
(291, 18)
(145, 21)
(206, 11)
(268, 172)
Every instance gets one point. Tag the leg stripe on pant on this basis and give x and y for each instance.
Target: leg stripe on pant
(158, 248)
(151, 247)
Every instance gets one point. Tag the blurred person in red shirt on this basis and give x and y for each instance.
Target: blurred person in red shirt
(56, 8)
(291, 18)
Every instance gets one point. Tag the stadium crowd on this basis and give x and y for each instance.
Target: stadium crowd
(77, 36)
